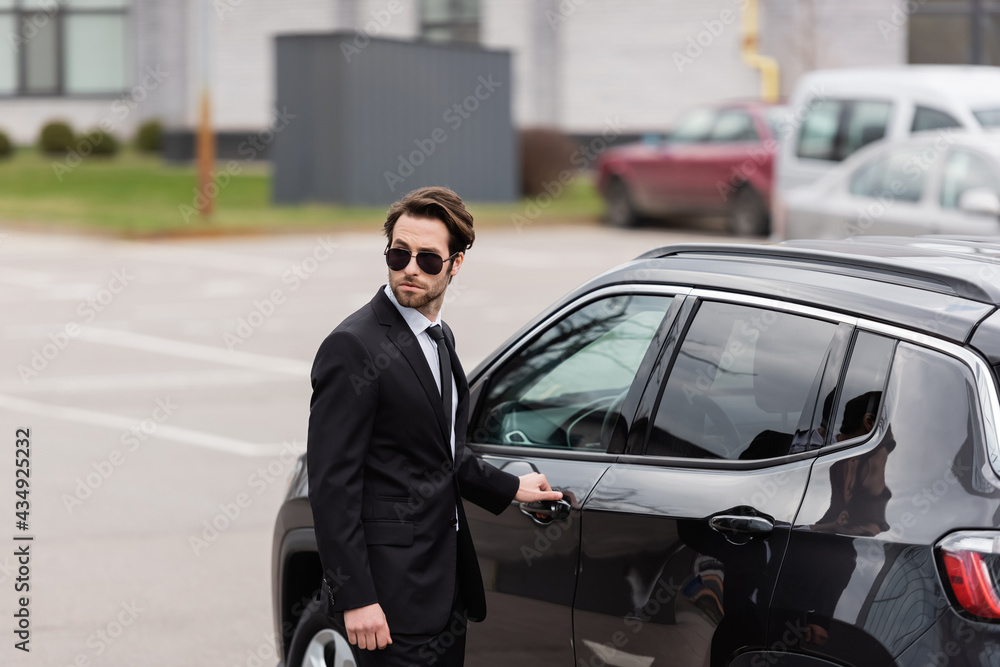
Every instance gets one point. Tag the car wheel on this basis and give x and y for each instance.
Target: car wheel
(319, 641)
(748, 216)
(621, 211)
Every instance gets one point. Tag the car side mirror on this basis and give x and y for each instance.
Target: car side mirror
(980, 200)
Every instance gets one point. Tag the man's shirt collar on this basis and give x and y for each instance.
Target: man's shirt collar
(416, 320)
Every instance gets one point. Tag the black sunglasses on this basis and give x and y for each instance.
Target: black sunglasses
(430, 263)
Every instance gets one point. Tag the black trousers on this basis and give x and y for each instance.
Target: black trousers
(444, 649)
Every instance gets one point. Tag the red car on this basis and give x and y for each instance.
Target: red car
(718, 160)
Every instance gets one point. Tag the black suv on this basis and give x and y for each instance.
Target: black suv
(771, 455)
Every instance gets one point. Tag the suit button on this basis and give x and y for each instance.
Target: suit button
(453, 522)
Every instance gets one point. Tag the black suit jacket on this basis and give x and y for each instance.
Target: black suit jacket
(382, 484)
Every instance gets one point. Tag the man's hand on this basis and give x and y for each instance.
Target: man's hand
(534, 488)
(366, 627)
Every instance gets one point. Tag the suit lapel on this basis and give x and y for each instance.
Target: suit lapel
(401, 336)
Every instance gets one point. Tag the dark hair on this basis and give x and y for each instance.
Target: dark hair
(436, 203)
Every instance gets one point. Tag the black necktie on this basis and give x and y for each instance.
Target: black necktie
(444, 358)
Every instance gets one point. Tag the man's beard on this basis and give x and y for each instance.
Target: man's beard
(419, 300)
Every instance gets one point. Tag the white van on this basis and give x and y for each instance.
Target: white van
(835, 112)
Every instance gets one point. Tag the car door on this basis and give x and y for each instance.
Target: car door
(550, 404)
(905, 462)
(890, 193)
(683, 536)
(733, 151)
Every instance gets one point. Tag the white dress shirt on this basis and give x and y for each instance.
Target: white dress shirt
(418, 325)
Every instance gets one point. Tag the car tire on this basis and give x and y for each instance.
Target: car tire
(319, 641)
(748, 216)
(621, 210)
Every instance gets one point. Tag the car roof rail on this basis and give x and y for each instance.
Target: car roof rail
(862, 258)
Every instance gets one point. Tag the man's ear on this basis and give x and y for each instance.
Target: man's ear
(457, 264)
(869, 422)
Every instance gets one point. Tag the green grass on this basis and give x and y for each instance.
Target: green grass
(138, 195)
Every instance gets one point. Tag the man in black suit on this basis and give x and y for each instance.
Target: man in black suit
(387, 460)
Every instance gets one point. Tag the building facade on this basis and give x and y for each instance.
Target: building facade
(578, 65)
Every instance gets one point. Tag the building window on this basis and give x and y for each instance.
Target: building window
(955, 32)
(63, 47)
(450, 20)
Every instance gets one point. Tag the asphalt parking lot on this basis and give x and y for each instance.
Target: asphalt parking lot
(166, 390)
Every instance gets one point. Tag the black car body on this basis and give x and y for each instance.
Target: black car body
(770, 455)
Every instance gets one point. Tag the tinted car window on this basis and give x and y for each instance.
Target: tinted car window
(925, 118)
(899, 175)
(861, 392)
(743, 380)
(932, 416)
(964, 171)
(734, 126)
(866, 122)
(818, 138)
(833, 129)
(694, 127)
(988, 117)
(563, 389)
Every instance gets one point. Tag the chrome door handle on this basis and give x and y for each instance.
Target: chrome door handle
(545, 511)
(740, 529)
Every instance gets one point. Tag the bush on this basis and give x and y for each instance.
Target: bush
(6, 148)
(56, 137)
(97, 142)
(545, 155)
(149, 137)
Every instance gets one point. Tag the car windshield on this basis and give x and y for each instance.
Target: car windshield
(988, 118)
(693, 127)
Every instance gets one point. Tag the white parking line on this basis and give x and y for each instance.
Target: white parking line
(163, 431)
(210, 353)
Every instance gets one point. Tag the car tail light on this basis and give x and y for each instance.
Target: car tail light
(971, 562)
